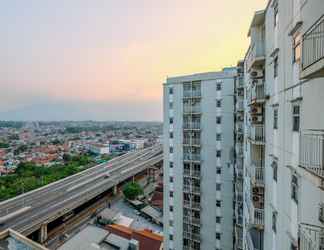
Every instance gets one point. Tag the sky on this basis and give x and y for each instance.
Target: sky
(108, 59)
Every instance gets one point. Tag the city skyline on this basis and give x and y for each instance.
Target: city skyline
(76, 61)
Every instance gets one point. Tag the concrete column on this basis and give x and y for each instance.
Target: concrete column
(43, 233)
(115, 190)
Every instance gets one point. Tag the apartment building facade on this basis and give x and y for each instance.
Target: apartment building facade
(284, 127)
(198, 160)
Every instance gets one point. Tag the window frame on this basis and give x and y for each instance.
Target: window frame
(295, 118)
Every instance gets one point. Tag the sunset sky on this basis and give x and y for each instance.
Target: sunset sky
(107, 59)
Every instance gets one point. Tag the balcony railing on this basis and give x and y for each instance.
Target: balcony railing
(258, 176)
(191, 220)
(194, 174)
(313, 49)
(256, 133)
(311, 237)
(240, 106)
(258, 93)
(191, 204)
(191, 109)
(258, 218)
(191, 236)
(256, 54)
(311, 155)
(191, 189)
(191, 157)
(191, 141)
(192, 94)
(193, 125)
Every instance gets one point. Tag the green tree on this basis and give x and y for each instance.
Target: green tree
(132, 190)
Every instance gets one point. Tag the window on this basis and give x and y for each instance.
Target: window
(171, 194)
(218, 170)
(274, 221)
(275, 170)
(170, 105)
(218, 219)
(218, 203)
(171, 150)
(275, 118)
(296, 118)
(218, 120)
(218, 153)
(218, 103)
(294, 188)
(171, 135)
(218, 187)
(171, 120)
(170, 237)
(218, 137)
(170, 91)
(171, 179)
(171, 165)
(171, 223)
(218, 86)
(321, 212)
(218, 236)
(275, 67)
(297, 48)
(171, 208)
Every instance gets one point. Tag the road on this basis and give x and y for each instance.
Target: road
(52, 201)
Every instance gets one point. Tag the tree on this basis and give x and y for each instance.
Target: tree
(132, 190)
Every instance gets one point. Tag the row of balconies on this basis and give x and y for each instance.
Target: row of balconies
(191, 236)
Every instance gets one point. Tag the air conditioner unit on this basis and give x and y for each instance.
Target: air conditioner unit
(256, 74)
(256, 198)
(257, 118)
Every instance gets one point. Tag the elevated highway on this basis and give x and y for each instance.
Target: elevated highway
(32, 211)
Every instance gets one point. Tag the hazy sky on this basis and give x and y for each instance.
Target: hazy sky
(107, 59)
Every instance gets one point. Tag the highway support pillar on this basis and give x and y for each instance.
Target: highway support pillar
(115, 190)
(43, 233)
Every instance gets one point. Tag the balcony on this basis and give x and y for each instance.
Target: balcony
(258, 217)
(191, 126)
(240, 106)
(311, 155)
(310, 237)
(191, 189)
(191, 109)
(191, 205)
(191, 220)
(313, 51)
(258, 94)
(189, 141)
(257, 173)
(191, 174)
(256, 54)
(191, 94)
(191, 157)
(191, 236)
(256, 134)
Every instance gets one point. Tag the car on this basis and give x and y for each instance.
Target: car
(107, 175)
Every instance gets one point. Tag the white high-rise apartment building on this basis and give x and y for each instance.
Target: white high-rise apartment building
(284, 149)
(198, 161)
